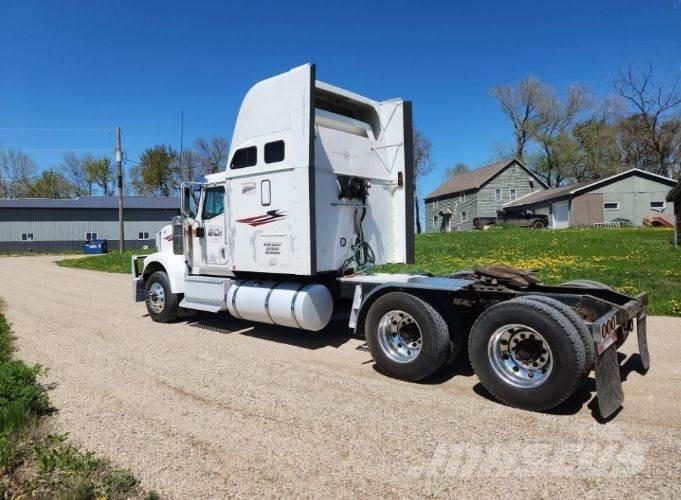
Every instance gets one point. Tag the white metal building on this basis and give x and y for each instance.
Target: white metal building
(46, 225)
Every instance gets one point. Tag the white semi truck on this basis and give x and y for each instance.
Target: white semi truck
(318, 188)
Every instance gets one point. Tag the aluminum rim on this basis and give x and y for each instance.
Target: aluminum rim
(399, 336)
(520, 355)
(156, 297)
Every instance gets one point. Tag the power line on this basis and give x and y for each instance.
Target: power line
(38, 129)
(56, 150)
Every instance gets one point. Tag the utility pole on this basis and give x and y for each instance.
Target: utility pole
(119, 166)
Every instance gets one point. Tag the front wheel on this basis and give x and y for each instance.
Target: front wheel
(406, 336)
(538, 224)
(160, 300)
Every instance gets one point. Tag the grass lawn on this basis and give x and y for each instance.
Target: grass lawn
(112, 262)
(632, 260)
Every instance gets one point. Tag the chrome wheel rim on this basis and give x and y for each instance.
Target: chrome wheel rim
(399, 336)
(156, 297)
(520, 355)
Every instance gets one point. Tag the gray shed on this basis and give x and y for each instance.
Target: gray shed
(46, 225)
(627, 196)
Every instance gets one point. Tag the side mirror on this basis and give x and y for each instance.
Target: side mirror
(185, 207)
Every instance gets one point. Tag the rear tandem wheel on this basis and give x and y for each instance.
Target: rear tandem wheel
(527, 354)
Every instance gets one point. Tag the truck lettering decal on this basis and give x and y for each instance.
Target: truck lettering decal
(259, 220)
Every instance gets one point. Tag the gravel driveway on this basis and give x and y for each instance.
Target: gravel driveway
(199, 412)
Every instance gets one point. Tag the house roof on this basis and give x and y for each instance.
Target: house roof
(674, 193)
(573, 189)
(477, 178)
(129, 202)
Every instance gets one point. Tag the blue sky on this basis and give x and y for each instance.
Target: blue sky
(96, 65)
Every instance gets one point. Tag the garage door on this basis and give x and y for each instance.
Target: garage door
(560, 215)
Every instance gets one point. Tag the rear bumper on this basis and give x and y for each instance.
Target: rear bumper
(609, 331)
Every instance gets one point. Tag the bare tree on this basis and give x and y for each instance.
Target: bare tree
(192, 166)
(551, 129)
(16, 173)
(653, 105)
(73, 169)
(212, 154)
(423, 165)
(521, 103)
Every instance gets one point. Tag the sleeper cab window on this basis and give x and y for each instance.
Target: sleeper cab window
(274, 152)
(245, 157)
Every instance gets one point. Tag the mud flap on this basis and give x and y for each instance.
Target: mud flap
(643, 341)
(608, 382)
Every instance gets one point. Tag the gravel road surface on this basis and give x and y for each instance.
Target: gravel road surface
(199, 411)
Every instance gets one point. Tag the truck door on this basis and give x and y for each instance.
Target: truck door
(213, 251)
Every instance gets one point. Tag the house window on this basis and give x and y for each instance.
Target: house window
(245, 157)
(497, 194)
(434, 220)
(91, 236)
(462, 197)
(656, 205)
(143, 235)
(532, 185)
(512, 193)
(26, 236)
(274, 152)
(611, 205)
(464, 216)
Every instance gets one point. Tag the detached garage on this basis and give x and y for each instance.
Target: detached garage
(624, 198)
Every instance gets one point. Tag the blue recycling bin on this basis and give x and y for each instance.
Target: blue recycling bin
(95, 246)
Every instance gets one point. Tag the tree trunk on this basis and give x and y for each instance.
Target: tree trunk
(418, 215)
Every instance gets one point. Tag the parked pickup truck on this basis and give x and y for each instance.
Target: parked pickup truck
(520, 218)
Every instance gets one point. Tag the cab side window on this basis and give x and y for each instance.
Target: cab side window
(274, 152)
(245, 157)
(213, 202)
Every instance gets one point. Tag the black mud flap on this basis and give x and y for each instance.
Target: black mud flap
(643, 341)
(608, 382)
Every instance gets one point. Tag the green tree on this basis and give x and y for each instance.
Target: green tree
(157, 173)
(459, 168)
(51, 184)
(99, 172)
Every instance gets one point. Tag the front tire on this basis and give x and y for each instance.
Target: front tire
(160, 300)
(406, 336)
(538, 225)
(527, 354)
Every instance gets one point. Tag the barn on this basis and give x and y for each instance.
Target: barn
(626, 197)
(46, 225)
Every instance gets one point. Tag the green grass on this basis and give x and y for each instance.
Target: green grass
(112, 262)
(632, 260)
(35, 463)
